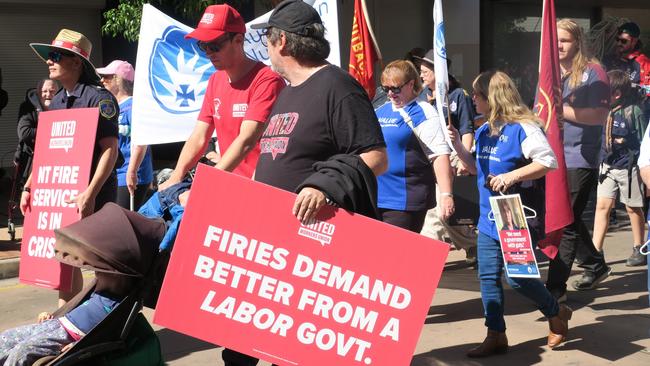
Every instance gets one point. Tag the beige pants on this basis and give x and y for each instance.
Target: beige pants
(462, 237)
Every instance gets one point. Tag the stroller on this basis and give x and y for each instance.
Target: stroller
(23, 158)
(22, 166)
(117, 241)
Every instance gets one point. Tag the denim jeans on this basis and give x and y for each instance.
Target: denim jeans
(490, 268)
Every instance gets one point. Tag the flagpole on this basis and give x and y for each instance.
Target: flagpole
(372, 33)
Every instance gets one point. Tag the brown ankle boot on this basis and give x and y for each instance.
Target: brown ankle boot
(559, 326)
(494, 343)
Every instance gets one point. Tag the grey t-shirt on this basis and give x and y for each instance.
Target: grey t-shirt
(582, 142)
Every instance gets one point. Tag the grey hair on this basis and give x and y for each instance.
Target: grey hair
(309, 49)
(125, 85)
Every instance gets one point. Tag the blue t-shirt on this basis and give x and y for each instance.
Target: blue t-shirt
(87, 315)
(408, 184)
(145, 172)
(513, 147)
(582, 142)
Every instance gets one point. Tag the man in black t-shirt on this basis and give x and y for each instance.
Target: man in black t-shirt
(323, 112)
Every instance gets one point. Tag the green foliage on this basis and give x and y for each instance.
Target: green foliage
(124, 20)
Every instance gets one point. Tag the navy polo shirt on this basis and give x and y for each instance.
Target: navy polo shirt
(460, 105)
(92, 96)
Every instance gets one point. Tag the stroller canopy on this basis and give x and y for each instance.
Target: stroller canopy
(113, 240)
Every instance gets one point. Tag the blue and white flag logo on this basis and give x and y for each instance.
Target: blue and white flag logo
(172, 74)
(439, 43)
(179, 72)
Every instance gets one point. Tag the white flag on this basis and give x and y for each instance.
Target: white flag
(172, 73)
(440, 64)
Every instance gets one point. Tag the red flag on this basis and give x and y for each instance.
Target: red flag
(363, 49)
(549, 108)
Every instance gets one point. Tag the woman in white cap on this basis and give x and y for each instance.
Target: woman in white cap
(67, 58)
(136, 173)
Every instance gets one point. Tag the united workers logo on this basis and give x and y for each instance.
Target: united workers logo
(440, 41)
(178, 72)
(62, 135)
(318, 230)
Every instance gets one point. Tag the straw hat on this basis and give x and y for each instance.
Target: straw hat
(71, 41)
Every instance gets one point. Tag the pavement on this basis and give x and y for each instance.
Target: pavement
(611, 324)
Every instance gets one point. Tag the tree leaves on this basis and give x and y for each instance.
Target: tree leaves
(124, 20)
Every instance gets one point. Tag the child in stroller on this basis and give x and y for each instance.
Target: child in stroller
(120, 246)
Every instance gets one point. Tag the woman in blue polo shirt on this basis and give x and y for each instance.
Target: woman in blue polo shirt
(512, 154)
(417, 149)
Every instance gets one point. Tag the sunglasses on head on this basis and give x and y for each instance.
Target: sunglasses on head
(213, 46)
(394, 89)
(57, 55)
(622, 41)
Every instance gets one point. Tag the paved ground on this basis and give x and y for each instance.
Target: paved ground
(610, 324)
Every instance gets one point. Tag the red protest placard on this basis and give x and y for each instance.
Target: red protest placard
(342, 290)
(61, 169)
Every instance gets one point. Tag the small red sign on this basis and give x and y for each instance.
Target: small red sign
(61, 169)
(341, 290)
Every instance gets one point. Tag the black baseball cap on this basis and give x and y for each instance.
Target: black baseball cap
(630, 28)
(293, 16)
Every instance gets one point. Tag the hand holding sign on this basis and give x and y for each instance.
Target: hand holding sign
(25, 205)
(85, 202)
(308, 203)
(61, 168)
(255, 280)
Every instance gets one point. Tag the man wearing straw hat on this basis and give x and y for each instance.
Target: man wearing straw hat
(67, 58)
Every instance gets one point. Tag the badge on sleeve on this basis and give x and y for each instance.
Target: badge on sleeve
(107, 108)
(453, 106)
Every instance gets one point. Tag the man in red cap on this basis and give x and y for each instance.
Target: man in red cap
(237, 101)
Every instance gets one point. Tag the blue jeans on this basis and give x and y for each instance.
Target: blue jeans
(490, 268)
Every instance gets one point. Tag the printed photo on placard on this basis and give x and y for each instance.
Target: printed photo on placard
(516, 244)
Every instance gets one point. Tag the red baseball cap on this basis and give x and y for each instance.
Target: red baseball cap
(216, 21)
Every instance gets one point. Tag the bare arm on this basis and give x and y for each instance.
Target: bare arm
(463, 153)
(467, 140)
(137, 155)
(25, 196)
(534, 170)
(191, 153)
(108, 155)
(444, 178)
(249, 134)
(585, 116)
(376, 160)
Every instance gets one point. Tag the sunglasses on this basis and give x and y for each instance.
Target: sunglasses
(394, 89)
(622, 41)
(476, 94)
(214, 46)
(56, 56)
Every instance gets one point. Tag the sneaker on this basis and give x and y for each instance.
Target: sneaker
(589, 280)
(636, 259)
